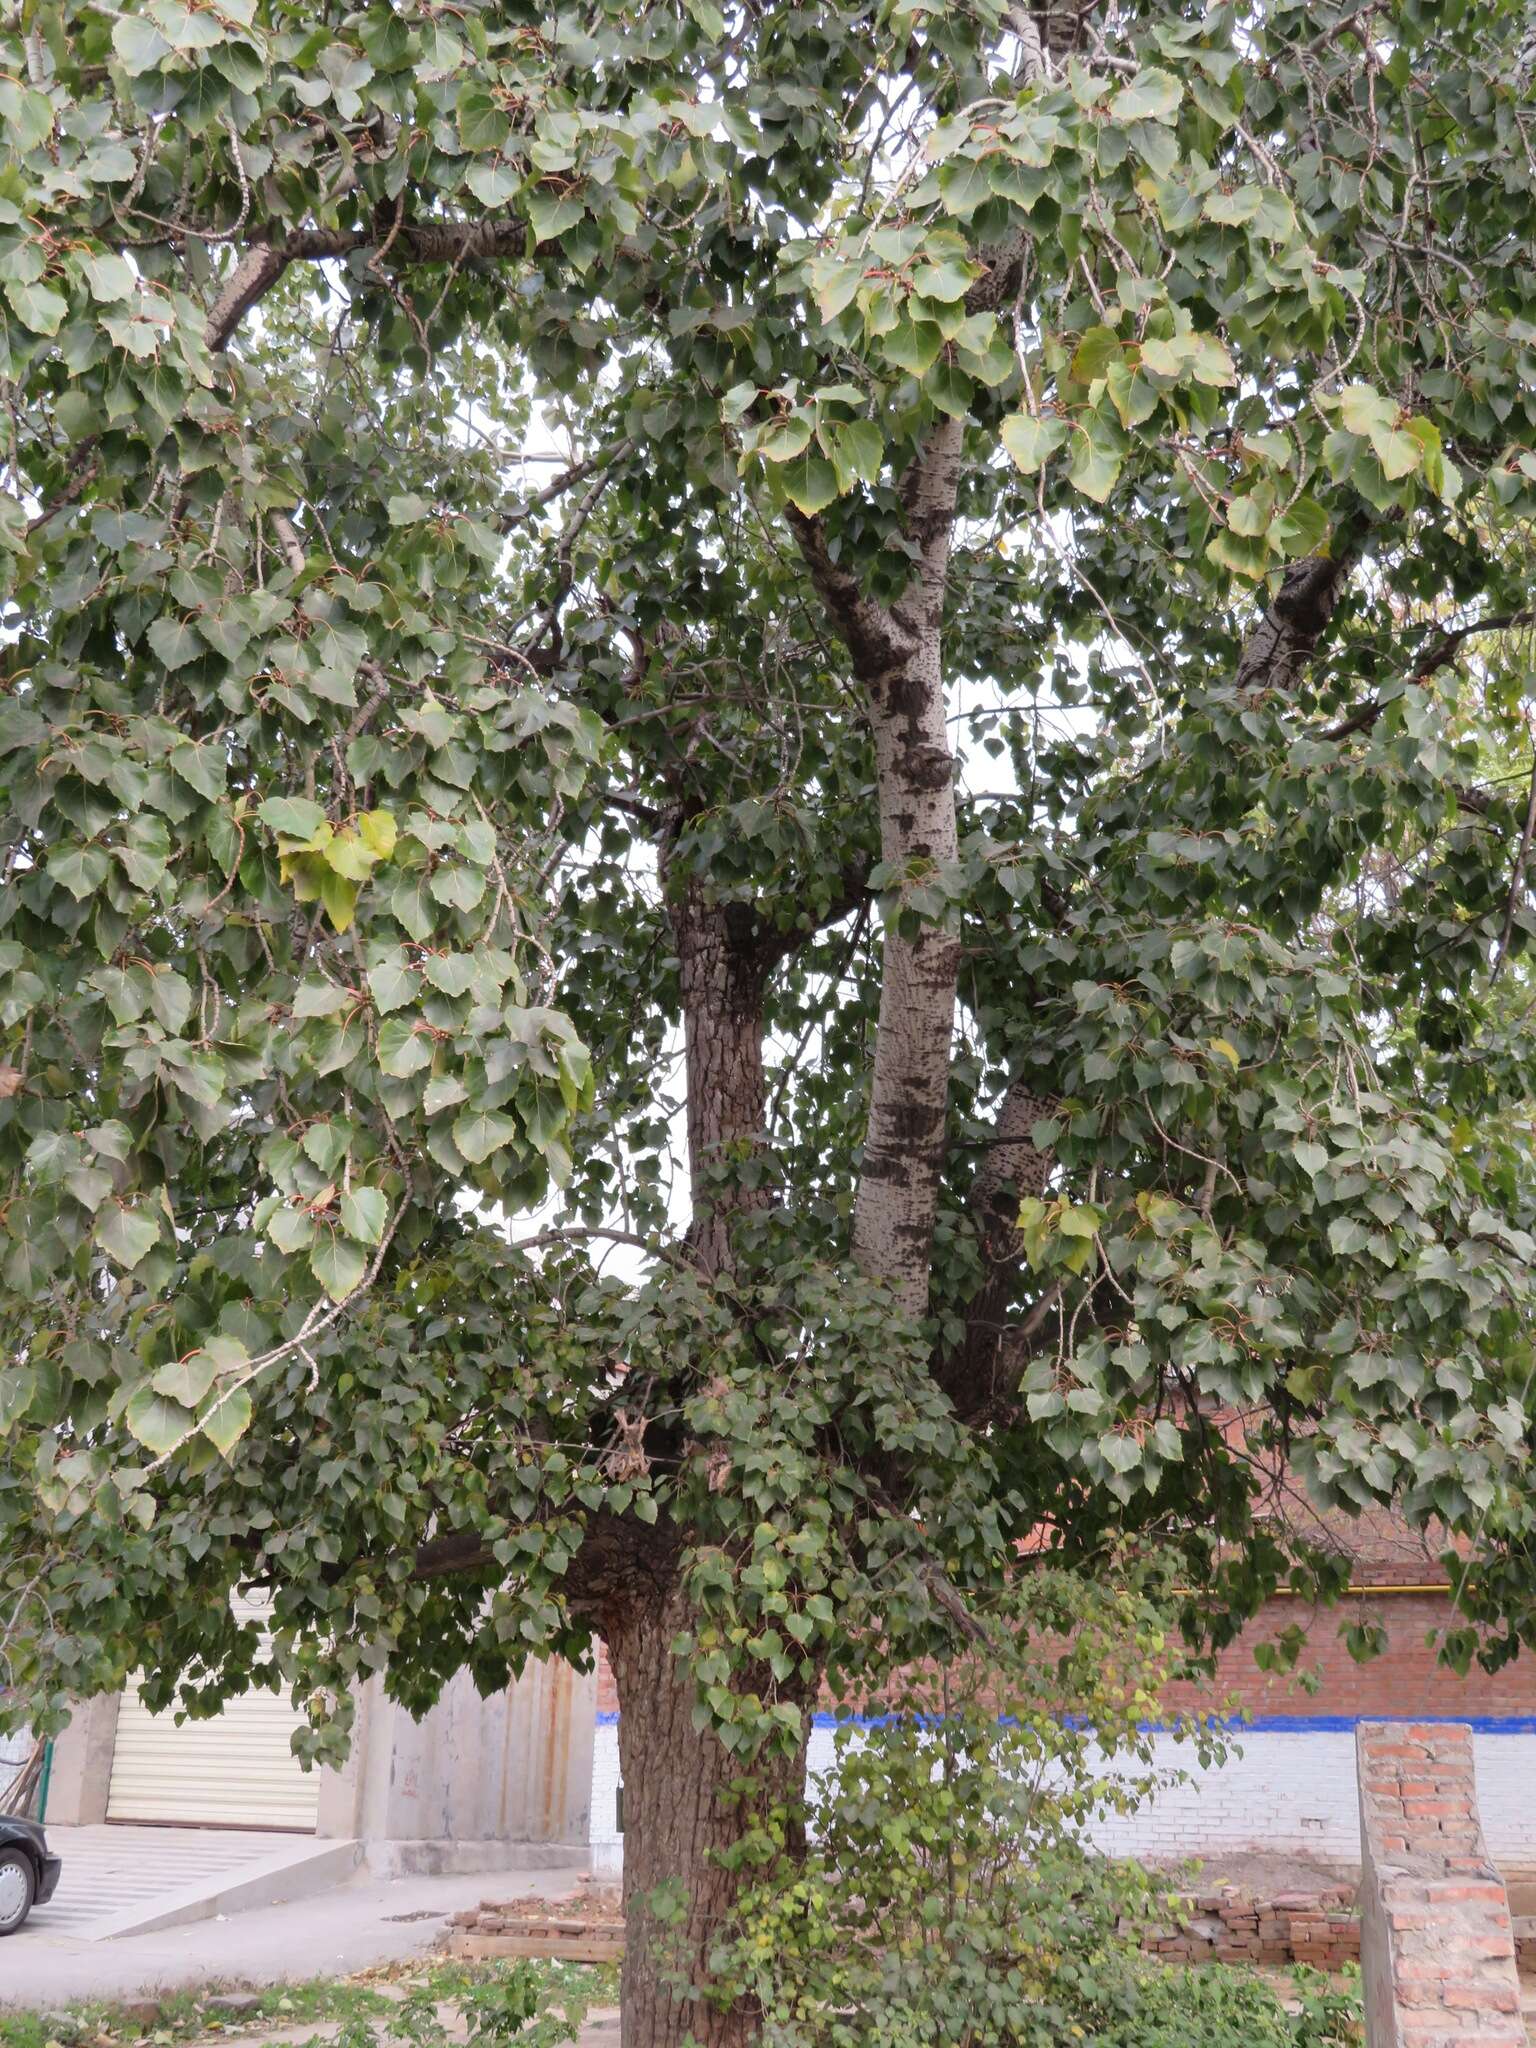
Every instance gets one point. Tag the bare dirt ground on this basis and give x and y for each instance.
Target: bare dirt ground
(1256, 1874)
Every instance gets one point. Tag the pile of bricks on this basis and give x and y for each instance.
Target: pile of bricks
(586, 1927)
(1321, 1928)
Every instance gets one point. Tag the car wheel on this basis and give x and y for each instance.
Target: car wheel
(18, 1887)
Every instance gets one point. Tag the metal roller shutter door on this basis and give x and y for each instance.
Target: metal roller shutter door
(236, 1770)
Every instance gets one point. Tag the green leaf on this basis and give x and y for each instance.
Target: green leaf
(1031, 441)
(1211, 362)
(857, 448)
(1364, 411)
(339, 897)
(1152, 95)
(913, 345)
(202, 765)
(964, 184)
(170, 997)
(292, 817)
(228, 1419)
(1099, 347)
(404, 1048)
(392, 983)
(1399, 454)
(378, 832)
(320, 999)
(18, 1386)
(551, 215)
(186, 1380)
(37, 306)
(950, 389)
(160, 1425)
(111, 278)
(175, 642)
(79, 869)
(783, 439)
(337, 1264)
(1096, 462)
(495, 184)
(810, 482)
(291, 1228)
(127, 1234)
(364, 1213)
(480, 1132)
(460, 888)
(442, 1093)
(1302, 527)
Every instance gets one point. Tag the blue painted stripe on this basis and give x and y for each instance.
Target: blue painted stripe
(1261, 1724)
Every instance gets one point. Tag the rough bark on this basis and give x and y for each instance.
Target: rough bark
(722, 969)
(685, 1806)
(898, 657)
(1280, 646)
(984, 1367)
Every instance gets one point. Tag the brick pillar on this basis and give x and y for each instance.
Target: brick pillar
(1437, 1947)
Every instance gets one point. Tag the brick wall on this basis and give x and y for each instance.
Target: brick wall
(607, 1691)
(1437, 1944)
(1290, 1783)
(1406, 1678)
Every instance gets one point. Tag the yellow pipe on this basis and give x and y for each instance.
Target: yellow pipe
(1290, 1593)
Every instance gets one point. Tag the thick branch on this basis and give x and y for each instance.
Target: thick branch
(722, 975)
(425, 242)
(1517, 880)
(985, 1366)
(250, 280)
(897, 657)
(1282, 643)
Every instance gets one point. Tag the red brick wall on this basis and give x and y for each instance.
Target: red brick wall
(1405, 1679)
(607, 1691)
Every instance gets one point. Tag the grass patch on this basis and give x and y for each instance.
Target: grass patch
(537, 2005)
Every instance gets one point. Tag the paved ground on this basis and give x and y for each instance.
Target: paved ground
(367, 1920)
(118, 1879)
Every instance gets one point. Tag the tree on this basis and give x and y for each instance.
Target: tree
(526, 528)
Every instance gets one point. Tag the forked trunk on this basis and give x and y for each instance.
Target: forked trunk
(684, 1806)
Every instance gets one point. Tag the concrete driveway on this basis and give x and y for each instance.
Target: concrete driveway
(347, 1927)
(130, 1880)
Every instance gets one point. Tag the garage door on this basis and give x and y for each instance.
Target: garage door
(235, 1771)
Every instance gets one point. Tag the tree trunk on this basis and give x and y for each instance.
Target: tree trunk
(909, 1089)
(898, 1190)
(722, 968)
(684, 1806)
(897, 655)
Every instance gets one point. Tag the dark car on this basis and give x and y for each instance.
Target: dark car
(28, 1874)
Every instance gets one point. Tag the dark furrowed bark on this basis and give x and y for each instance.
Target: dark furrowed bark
(687, 1801)
(722, 970)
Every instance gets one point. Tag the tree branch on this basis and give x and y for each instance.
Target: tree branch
(984, 1366)
(426, 242)
(1283, 642)
(1516, 880)
(1443, 648)
(250, 280)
